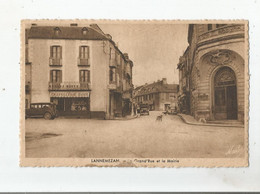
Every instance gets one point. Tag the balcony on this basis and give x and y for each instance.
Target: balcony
(69, 86)
(83, 62)
(112, 85)
(234, 29)
(55, 62)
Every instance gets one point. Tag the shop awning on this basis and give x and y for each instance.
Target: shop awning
(69, 94)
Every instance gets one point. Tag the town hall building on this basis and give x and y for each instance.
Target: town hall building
(212, 72)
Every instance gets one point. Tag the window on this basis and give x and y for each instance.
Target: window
(83, 52)
(209, 26)
(112, 74)
(56, 52)
(56, 55)
(83, 55)
(84, 31)
(57, 31)
(84, 76)
(56, 76)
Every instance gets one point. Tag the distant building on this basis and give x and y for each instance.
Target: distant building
(212, 80)
(184, 83)
(80, 69)
(158, 95)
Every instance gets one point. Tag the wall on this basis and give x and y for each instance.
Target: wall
(39, 53)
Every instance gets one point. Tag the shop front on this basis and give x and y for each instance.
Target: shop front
(72, 103)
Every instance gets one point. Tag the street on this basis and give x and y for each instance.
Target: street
(142, 137)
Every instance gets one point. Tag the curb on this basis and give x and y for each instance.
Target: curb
(207, 124)
(123, 119)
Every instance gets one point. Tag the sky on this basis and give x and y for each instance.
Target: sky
(154, 49)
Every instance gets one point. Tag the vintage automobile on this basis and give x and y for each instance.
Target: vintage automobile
(144, 109)
(46, 110)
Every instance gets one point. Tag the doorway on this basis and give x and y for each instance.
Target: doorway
(225, 94)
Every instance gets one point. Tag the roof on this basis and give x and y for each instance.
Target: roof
(156, 87)
(72, 33)
(49, 32)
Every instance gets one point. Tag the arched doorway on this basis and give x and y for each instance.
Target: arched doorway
(225, 94)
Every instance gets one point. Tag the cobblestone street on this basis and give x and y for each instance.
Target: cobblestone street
(143, 137)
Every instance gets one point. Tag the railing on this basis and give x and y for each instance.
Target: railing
(112, 85)
(228, 29)
(55, 62)
(83, 62)
(72, 86)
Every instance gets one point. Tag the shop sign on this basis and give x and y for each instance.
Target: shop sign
(69, 94)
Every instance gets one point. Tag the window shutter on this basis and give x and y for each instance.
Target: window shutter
(88, 72)
(59, 76)
(87, 52)
(51, 79)
(51, 54)
(80, 52)
(60, 52)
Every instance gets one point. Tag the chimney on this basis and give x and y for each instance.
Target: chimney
(97, 28)
(126, 56)
(109, 36)
(164, 81)
(74, 25)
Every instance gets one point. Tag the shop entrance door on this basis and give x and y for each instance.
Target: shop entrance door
(225, 94)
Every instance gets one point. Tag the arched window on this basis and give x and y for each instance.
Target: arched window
(84, 31)
(57, 31)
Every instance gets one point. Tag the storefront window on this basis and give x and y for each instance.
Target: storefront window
(78, 105)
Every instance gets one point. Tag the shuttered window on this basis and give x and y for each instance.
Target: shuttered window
(56, 76)
(83, 52)
(84, 76)
(56, 52)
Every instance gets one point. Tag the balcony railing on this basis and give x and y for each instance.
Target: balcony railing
(228, 29)
(55, 62)
(71, 86)
(83, 62)
(112, 85)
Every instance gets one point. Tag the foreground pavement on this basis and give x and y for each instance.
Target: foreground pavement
(143, 137)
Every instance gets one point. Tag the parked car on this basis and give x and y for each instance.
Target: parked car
(144, 109)
(46, 110)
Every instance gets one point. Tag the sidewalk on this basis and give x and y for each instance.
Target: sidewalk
(188, 119)
(128, 117)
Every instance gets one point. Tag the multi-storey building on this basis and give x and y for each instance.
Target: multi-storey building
(184, 75)
(80, 69)
(215, 67)
(158, 95)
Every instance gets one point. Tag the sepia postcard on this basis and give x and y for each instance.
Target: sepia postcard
(129, 93)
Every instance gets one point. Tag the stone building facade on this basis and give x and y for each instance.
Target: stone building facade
(80, 69)
(215, 62)
(159, 95)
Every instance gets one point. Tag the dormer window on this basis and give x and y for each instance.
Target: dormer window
(84, 31)
(57, 31)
